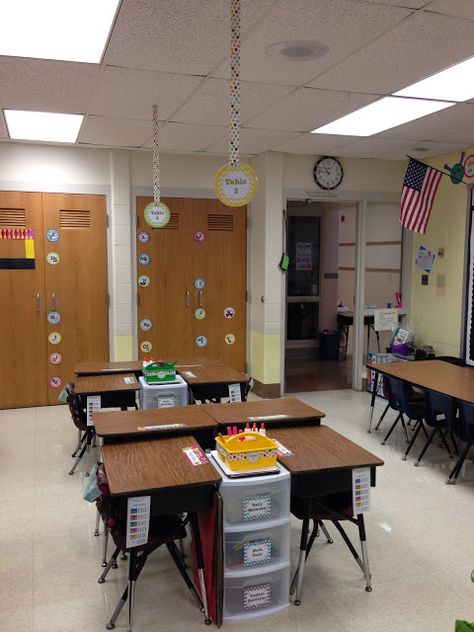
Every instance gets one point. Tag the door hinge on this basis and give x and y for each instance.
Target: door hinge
(107, 220)
(108, 300)
(247, 296)
(138, 299)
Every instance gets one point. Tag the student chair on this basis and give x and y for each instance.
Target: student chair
(162, 530)
(86, 434)
(440, 415)
(334, 508)
(464, 429)
(404, 400)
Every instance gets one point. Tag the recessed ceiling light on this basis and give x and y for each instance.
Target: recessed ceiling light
(56, 29)
(452, 84)
(298, 50)
(381, 115)
(48, 126)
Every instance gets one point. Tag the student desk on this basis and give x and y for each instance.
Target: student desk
(434, 375)
(116, 391)
(321, 464)
(133, 425)
(273, 412)
(161, 469)
(103, 368)
(210, 382)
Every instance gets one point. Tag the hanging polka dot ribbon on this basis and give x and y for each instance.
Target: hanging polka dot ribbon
(156, 158)
(234, 88)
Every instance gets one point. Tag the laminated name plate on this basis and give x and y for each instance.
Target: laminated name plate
(157, 372)
(247, 451)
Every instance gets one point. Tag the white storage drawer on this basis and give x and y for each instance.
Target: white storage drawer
(256, 547)
(255, 499)
(256, 594)
(166, 395)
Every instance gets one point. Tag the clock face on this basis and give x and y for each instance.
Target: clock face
(328, 172)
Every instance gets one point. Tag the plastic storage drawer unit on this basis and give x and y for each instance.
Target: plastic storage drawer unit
(166, 395)
(257, 547)
(255, 499)
(250, 594)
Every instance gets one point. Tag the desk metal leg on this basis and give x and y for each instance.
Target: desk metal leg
(372, 398)
(365, 555)
(200, 563)
(303, 546)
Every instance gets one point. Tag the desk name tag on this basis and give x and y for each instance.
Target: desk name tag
(281, 450)
(267, 417)
(360, 490)
(129, 380)
(138, 520)
(189, 374)
(195, 455)
(163, 427)
(257, 507)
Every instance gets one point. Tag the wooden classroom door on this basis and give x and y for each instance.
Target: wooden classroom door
(75, 284)
(22, 308)
(194, 269)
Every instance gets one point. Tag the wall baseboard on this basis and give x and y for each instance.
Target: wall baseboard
(269, 391)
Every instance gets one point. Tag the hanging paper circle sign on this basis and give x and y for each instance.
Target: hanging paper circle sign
(236, 186)
(157, 215)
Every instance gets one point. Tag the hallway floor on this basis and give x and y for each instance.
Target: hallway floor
(305, 375)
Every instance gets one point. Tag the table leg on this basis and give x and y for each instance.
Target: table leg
(372, 398)
(303, 546)
(200, 563)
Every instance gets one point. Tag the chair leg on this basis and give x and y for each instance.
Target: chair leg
(427, 444)
(457, 468)
(392, 427)
(303, 545)
(365, 554)
(445, 443)
(112, 563)
(97, 524)
(76, 462)
(382, 416)
(413, 439)
(135, 566)
(200, 564)
(80, 439)
(326, 532)
(173, 549)
(104, 550)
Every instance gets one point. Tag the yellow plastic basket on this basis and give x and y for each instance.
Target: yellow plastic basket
(247, 451)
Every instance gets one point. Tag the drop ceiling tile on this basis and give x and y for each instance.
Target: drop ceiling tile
(306, 109)
(40, 84)
(131, 93)
(185, 36)
(188, 138)
(3, 127)
(314, 144)
(453, 119)
(459, 8)
(432, 149)
(101, 130)
(210, 104)
(372, 147)
(343, 25)
(413, 4)
(253, 141)
(418, 47)
(465, 137)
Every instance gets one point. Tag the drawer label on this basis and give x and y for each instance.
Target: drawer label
(257, 552)
(257, 507)
(257, 596)
(167, 402)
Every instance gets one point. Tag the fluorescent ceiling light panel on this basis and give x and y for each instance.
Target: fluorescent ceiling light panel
(49, 126)
(70, 30)
(452, 84)
(381, 115)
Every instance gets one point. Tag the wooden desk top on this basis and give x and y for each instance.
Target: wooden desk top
(99, 368)
(89, 384)
(119, 423)
(436, 375)
(282, 409)
(216, 373)
(147, 466)
(317, 448)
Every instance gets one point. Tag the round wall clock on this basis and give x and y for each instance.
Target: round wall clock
(328, 173)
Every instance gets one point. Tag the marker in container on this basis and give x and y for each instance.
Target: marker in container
(229, 431)
(235, 430)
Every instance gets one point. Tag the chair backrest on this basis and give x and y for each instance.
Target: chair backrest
(78, 414)
(440, 404)
(465, 426)
(402, 395)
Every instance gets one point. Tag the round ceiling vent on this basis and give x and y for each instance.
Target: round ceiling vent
(298, 50)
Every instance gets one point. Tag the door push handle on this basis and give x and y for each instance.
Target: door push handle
(201, 298)
(38, 302)
(53, 302)
(187, 298)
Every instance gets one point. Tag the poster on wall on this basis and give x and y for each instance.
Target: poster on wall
(470, 295)
(304, 255)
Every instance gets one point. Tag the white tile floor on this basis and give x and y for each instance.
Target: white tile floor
(420, 536)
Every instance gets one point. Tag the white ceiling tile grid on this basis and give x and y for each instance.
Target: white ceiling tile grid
(253, 141)
(102, 130)
(187, 138)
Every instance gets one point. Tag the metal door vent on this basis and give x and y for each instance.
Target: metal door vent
(220, 221)
(74, 219)
(12, 217)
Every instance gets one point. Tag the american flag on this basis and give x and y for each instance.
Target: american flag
(419, 189)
